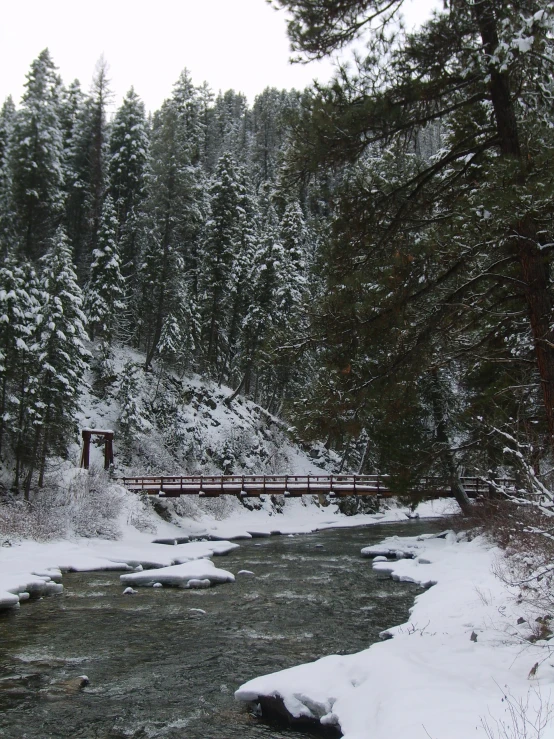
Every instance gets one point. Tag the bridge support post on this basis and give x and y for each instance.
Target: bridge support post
(108, 447)
(85, 456)
(108, 451)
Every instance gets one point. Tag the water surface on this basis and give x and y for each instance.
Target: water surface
(159, 668)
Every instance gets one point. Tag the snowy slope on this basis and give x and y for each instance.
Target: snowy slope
(190, 427)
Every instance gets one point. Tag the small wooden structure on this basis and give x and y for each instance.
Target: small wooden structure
(108, 435)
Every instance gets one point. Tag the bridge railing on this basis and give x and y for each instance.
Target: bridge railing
(341, 484)
(310, 482)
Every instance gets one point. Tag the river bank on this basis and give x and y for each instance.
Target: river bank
(165, 662)
(463, 664)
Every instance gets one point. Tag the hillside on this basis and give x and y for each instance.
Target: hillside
(186, 425)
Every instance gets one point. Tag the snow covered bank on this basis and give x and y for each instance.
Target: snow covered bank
(35, 569)
(29, 567)
(298, 516)
(443, 673)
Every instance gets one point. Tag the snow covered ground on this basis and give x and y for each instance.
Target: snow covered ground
(462, 663)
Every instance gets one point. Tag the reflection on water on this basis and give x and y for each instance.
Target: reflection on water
(159, 667)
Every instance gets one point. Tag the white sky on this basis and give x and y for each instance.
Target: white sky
(239, 44)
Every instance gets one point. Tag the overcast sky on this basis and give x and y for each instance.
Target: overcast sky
(240, 44)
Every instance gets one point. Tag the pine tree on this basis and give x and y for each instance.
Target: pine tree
(221, 244)
(269, 132)
(7, 216)
(264, 275)
(88, 168)
(207, 144)
(105, 291)
(291, 294)
(240, 278)
(187, 104)
(132, 418)
(37, 159)
(128, 156)
(171, 221)
(423, 253)
(290, 303)
(231, 127)
(72, 100)
(18, 310)
(61, 354)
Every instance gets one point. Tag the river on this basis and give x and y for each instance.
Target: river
(159, 668)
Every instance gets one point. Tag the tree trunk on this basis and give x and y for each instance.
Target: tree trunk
(365, 455)
(3, 412)
(32, 462)
(440, 414)
(43, 454)
(534, 262)
(535, 271)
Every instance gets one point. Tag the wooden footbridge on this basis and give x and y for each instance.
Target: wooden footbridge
(293, 486)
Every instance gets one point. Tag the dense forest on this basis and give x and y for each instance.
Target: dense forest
(172, 234)
(371, 260)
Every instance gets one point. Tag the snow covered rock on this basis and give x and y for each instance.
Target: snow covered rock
(180, 575)
(9, 600)
(130, 591)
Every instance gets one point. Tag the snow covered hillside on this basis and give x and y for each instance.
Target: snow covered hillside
(168, 424)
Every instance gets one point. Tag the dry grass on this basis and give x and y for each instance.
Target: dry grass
(89, 505)
(526, 534)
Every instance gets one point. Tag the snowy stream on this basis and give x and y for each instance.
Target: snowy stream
(165, 662)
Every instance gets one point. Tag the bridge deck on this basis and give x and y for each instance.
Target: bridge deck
(171, 486)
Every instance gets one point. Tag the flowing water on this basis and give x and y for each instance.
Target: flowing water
(159, 667)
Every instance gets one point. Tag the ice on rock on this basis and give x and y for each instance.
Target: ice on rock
(157, 585)
(23, 596)
(130, 591)
(197, 610)
(180, 575)
(52, 573)
(380, 558)
(245, 572)
(198, 584)
(387, 552)
(139, 568)
(330, 719)
(53, 588)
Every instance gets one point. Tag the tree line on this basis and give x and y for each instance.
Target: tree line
(170, 233)
(371, 258)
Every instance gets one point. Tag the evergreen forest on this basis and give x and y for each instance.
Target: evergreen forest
(369, 260)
